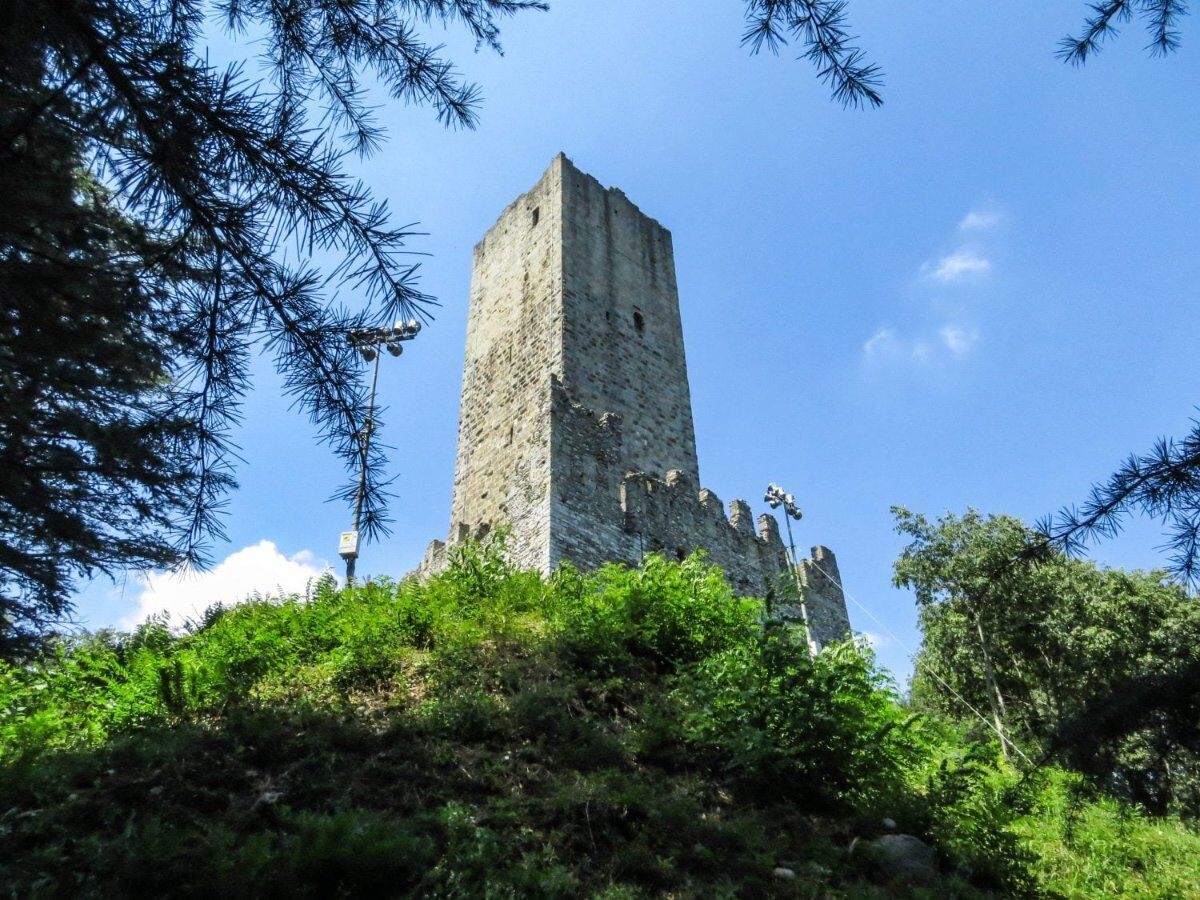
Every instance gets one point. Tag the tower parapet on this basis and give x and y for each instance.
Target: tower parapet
(824, 598)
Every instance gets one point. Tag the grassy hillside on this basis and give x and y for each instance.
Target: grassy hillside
(492, 733)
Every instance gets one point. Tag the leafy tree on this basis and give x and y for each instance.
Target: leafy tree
(1097, 664)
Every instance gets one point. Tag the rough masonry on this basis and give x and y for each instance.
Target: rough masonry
(576, 429)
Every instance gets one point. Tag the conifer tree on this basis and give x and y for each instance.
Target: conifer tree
(95, 471)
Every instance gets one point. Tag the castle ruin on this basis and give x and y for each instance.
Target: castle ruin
(575, 429)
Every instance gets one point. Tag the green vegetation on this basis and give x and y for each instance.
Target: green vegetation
(1089, 846)
(493, 733)
(1099, 667)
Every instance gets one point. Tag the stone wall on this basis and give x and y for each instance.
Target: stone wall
(574, 283)
(824, 598)
(602, 512)
(622, 346)
(514, 344)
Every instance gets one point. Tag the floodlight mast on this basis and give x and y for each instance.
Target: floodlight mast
(776, 497)
(370, 342)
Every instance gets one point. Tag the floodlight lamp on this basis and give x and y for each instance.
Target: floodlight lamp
(394, 349)
(368, 353)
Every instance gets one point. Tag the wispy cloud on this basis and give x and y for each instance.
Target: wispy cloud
(934, 344)
(959, 265)
(257, 569)
(959, 340)
(980, 220)
(883, 343)
(951, 342)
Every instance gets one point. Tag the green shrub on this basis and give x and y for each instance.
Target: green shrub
(822, 729)
(1087, 845)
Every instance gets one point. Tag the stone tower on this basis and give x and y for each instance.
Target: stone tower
(573, 286)
(575, 429)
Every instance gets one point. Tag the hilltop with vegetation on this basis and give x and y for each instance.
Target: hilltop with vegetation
(490, 732)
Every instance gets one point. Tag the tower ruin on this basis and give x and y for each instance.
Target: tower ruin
(576, 429)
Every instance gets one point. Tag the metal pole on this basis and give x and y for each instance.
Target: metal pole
(364, 443)
(796, 578)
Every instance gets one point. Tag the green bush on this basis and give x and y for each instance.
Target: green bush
(1086, 845)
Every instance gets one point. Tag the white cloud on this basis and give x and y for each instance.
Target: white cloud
(980, 220)
(957, 266)
(950, 343)
(959, 340)
(874, 639)
(259, 568)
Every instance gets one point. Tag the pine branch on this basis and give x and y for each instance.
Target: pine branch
(1161, 18)
(821, 27)
(1162, 484)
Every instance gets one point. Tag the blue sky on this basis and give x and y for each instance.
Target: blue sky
(983, 293)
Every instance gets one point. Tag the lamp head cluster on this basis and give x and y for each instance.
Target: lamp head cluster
(777, 497)
(368, 341)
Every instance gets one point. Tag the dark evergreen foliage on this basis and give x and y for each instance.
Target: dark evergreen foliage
(239, 181)
(820, 26)
(130, 315)
(1161, 18)
(1164, 484)
(95, 471)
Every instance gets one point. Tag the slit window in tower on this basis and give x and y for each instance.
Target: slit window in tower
(537, 214)
(639, 322)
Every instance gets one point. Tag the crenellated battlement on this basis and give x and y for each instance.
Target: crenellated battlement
(673, 517)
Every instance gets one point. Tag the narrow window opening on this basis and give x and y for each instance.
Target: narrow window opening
(510, 434)
(680, 554)
(638, 322)
(537, 214)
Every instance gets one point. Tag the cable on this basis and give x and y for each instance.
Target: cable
(929, 671)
